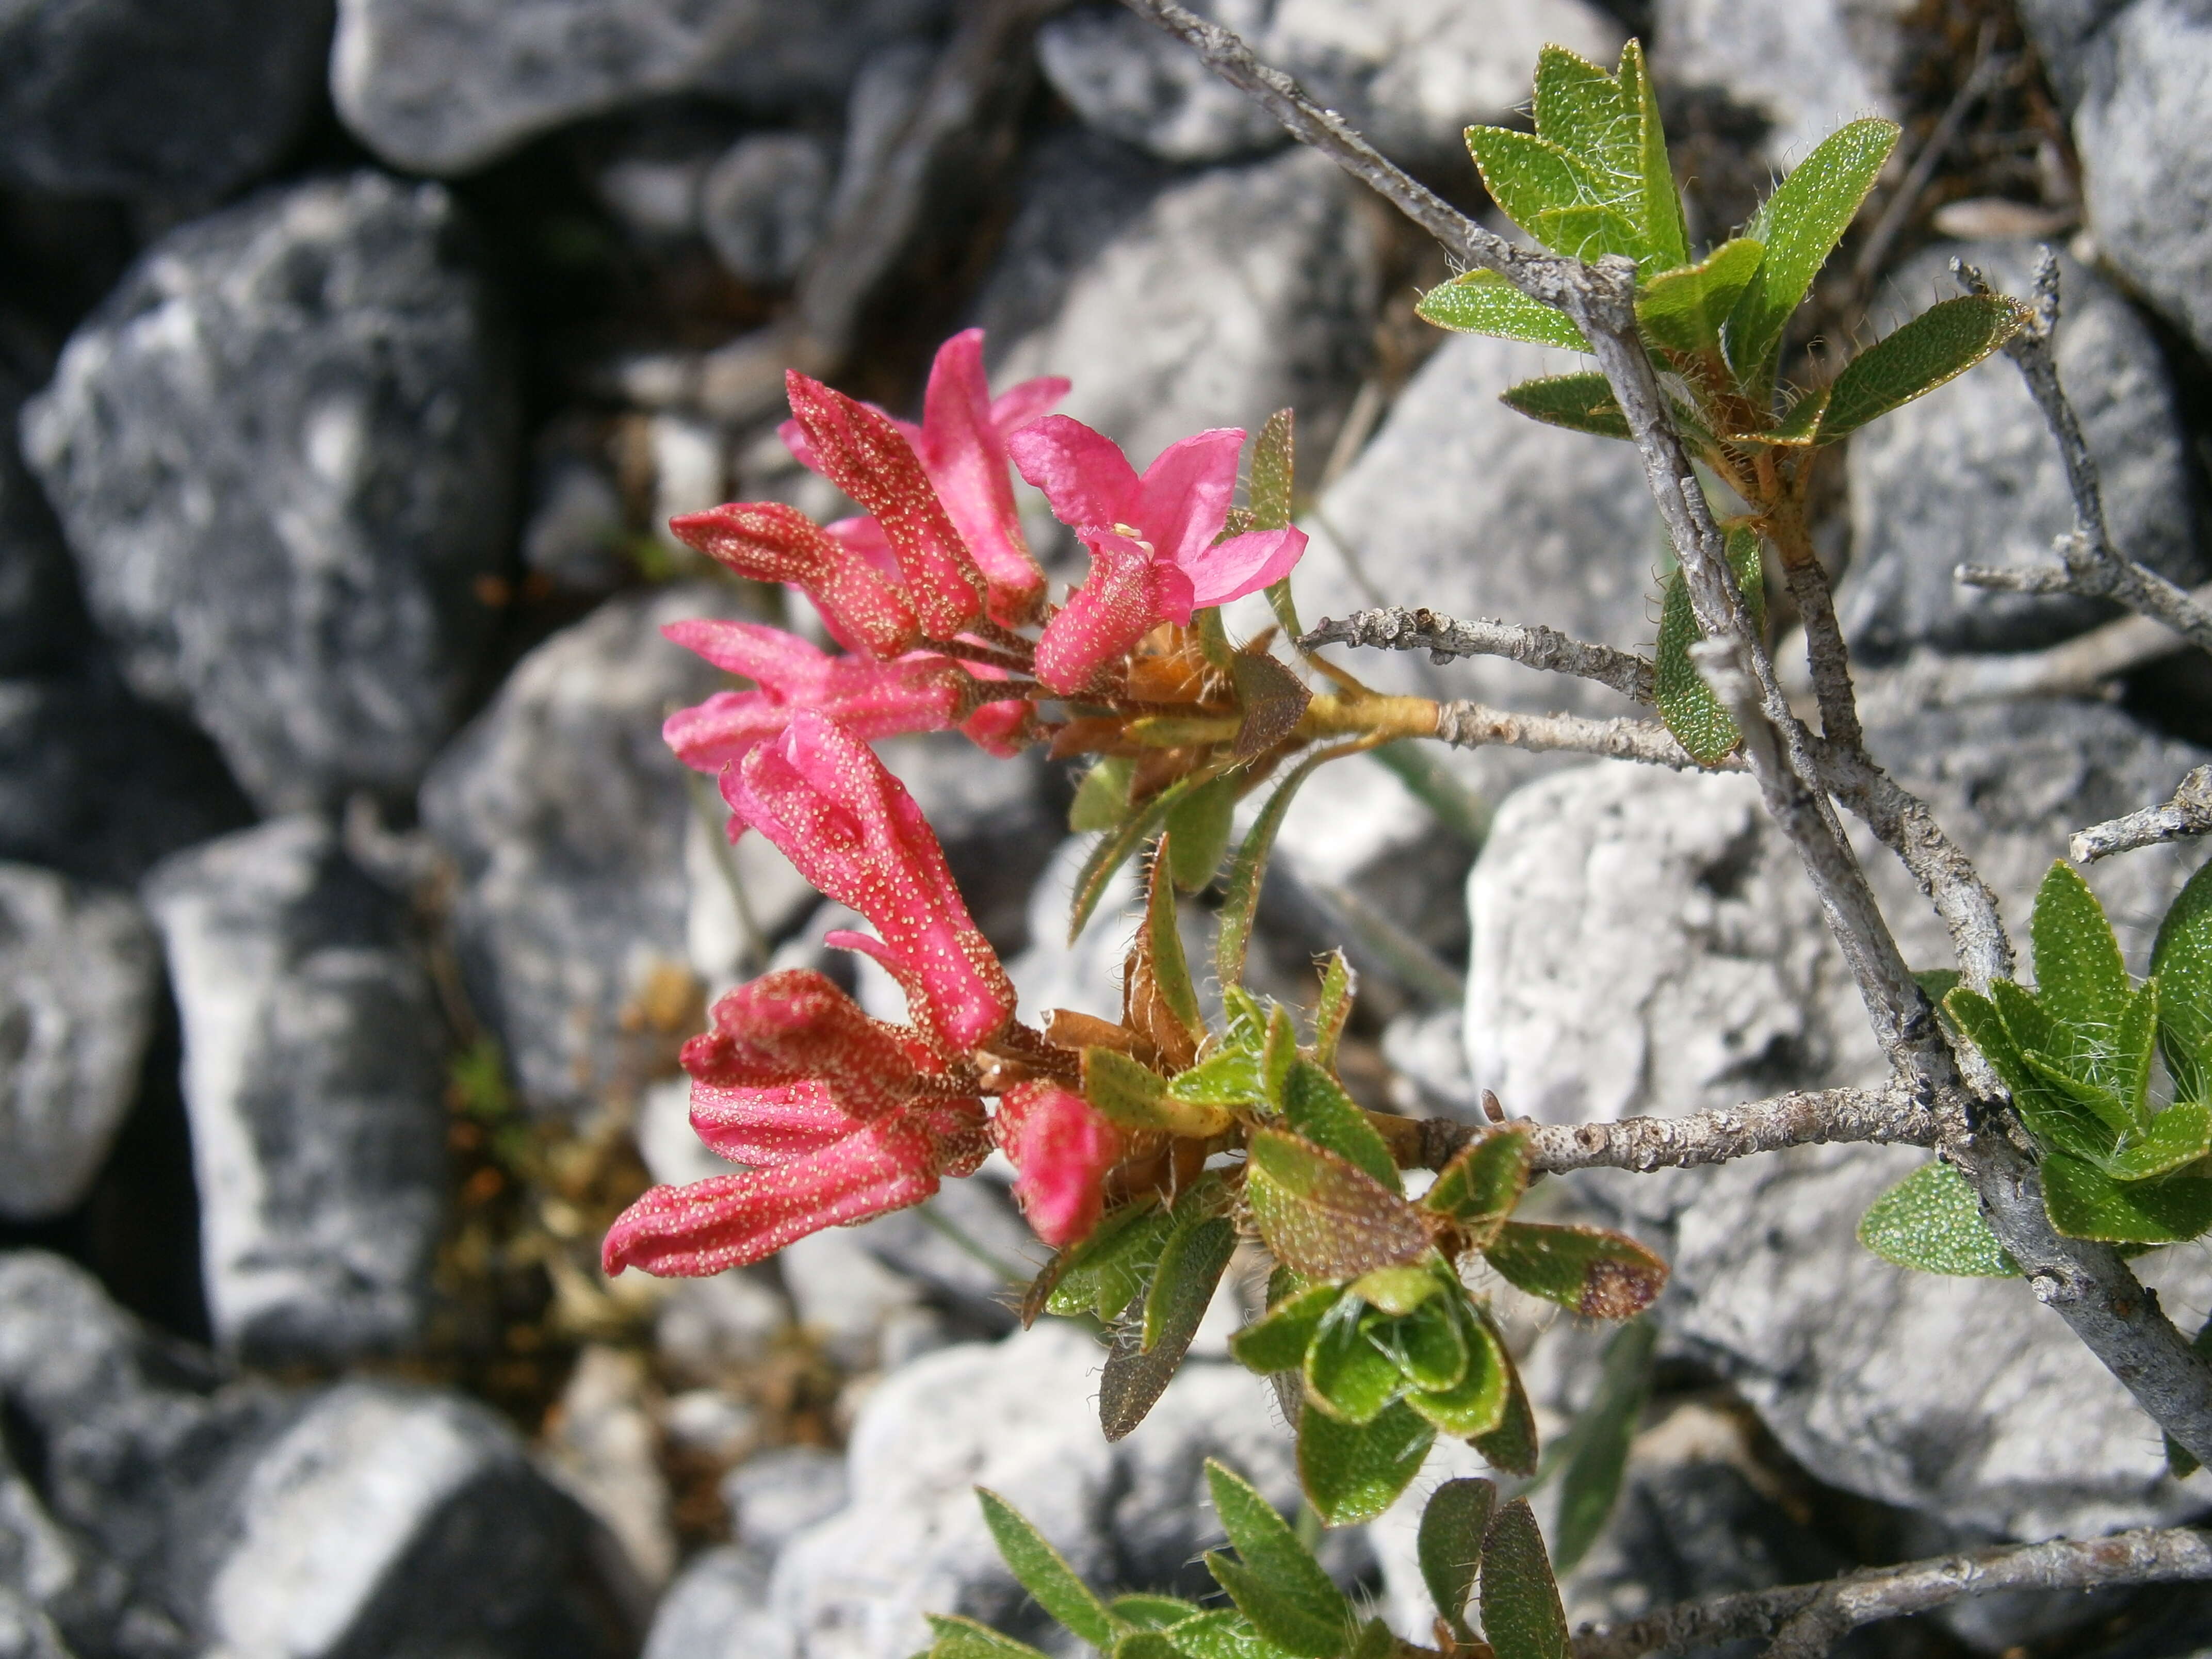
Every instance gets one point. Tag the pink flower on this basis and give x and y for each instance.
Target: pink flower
(773, 542)
(840, 1114)
(819, 793)
(860, 451)
(1153, 539)
(1063, 1148)
(961, 445)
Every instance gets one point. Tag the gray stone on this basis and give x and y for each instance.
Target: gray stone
(1970, 475)
(445, 85)
(79, 973)
(1218, 299)
(281, 451)
(567, 818)
(100, 784)
(1644, 943)
(2063, 32)
(775, 1497)
(762, 204)
(2146, 151)
(1409, 74)
(1017, 1417)
(717, 1608)
(574, 528)
(314, 1082)
(992, 817)
(602, 1448)
(366, 1517)
(149, 100)
(707, 1328)
(41, 618)
(1808, 66)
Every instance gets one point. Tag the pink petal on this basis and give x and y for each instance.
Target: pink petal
(1084, 475)
(1018, 405)
(732, 1220)
(1063, 1149)
(864, 537)
(708, 736)
(864, 455)
(777, 659)
(1103, 619)
(795, 1024)
(998, 728)
(1187, 493)
(966, 458)
(1242, 564)
(771, 542)
(837, 812)
(769, 1124)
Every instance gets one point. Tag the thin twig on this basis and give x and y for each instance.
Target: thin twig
(1473, 725)
(1402, 628)
(2086, 1283)
(2093, 566)
(2078, 668)
(1987, 72)
(1807, 1620)
(2189, 813)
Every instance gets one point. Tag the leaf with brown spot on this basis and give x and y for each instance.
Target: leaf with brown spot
(1274, 700)
(1323, 1216)
(1602, 1274)
(1158, 1002)
(1479, 1189)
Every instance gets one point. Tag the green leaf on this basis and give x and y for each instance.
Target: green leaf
(1520, 1612)
(1304, 1611)
(1223, 1633)
(2102, 1103)
(1102, 799)
(1932, 1221)
(1603, 1274)
(1242, 900)
(2079, 978)
(1315, 1105)
(2134, 1047)
(1143, 1644)
(1116, 845)
(1348, 1373)
(1277, 1056)
(1170, 970)
(2182, 961)
(1134, 1096)
(1590, 1483)
(1529, 177)
(1936, 983)
(2084, 1202)
(1475, 1404)
(1138, 1372)
(1939, 344)
(1579, 106)
(1229, 1076)
(1996, 1024)
(1581, 402)
(1449, 1546)
(1104, 1273)
(1427, 1346)
(1150, 1612)
(2179, 1461)
(1484, 302)
(1683, 310)
(1799, 226)
(1659, 210)
(1337, 986)
(1589, 231)
(1198, 828)
(1398, 1290)
(1322, 1216)
(1376, 1641)
(1511, 1446)
(1274, 700)
(1279, 1341)
(961, 1637)
(1273, 456)
(1045, 1574)
(1190, 1265)
(1684, 701)
(1353, 1472)
(1483, 1183)
(2177, 1137)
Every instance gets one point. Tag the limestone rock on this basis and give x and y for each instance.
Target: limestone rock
(313, 1080)
(79, 972)
(280, 452)
(1808, 65)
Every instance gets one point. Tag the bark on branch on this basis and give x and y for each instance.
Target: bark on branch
(2189, 813)
(1472, 725)
(1417, 628)
(1807, 1620)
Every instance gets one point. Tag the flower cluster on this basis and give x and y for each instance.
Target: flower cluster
(838, 1117)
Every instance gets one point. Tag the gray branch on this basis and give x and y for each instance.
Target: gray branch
(2189, 813)
(2078, 668)
(1473, 725)
(2093, 566)
(2087, 1284)
(1807, 1620)
(1401, 628)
